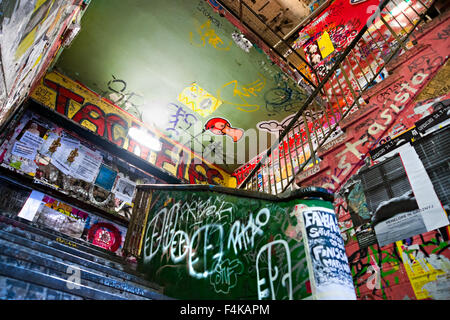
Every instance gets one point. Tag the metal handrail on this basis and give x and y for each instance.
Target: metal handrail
(344, 56)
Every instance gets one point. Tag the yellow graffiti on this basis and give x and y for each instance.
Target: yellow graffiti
(207, 34)
(245, 93)
(66, 242)
(199, 100)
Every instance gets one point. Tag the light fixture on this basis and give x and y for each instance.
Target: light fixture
(145, 139)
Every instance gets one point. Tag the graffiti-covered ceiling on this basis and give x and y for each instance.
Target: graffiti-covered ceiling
(183, 68)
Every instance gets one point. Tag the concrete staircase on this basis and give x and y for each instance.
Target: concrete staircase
(38, 264)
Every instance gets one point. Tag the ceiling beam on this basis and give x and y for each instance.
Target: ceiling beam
(257, 35)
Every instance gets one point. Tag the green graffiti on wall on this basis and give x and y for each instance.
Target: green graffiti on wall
(209, 245)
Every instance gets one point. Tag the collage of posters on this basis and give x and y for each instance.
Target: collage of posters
(58, 158)
(59, 216)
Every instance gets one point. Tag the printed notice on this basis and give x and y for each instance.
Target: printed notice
(125, 190)
(31, 140)
(66, 155)
(416, 211)
(87, 165)
(23, 150)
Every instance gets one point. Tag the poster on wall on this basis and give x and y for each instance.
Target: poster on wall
(124, 189)
(359, 212)
(73, 165)
(417, 210)
(106, 177)
(331, 278)
(31, 206)
(61, 217)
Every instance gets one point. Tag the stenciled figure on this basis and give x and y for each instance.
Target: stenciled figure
(73, 154)
(55, 145)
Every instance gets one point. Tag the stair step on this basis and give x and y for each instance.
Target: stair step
(71, 258)
(67, 276)
(62, 241)
(52, 242)
(55, 283)
(15, 289)
(53, 235)
(16, 253)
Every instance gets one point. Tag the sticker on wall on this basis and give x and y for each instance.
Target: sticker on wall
(242, 41)
(301, 40)
(199, 100)
(105, 235)
(106, 177)
(428, 274)
(220, 126)
(325, 45)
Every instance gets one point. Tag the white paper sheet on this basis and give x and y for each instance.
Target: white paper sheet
(31, 205)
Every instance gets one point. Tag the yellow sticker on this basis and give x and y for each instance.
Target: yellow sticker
(325, 45)
(199, 100)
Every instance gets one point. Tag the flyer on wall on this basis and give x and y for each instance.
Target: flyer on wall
(329, 270)
(124, 189)
(67, 153)
(416, 211)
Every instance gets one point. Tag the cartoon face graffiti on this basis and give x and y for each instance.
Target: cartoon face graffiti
(220, 126)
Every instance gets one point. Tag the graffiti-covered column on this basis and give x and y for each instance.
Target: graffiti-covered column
(329, 270)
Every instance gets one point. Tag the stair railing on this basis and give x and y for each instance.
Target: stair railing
(361, 65)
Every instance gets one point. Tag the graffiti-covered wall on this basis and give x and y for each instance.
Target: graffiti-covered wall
(212, 243)
(83, 106)
(31, 34)
(391, 110)
(383, 142)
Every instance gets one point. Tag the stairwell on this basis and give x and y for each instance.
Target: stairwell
(37, 264)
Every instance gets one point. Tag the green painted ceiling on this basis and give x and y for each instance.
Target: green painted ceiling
(146, 55)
